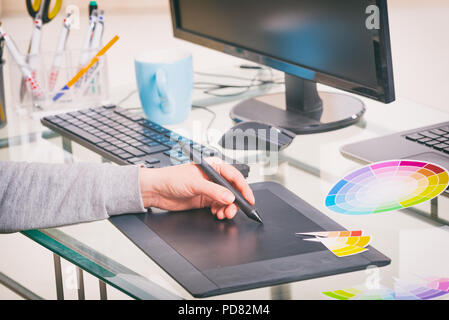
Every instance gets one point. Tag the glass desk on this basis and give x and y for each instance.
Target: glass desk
(415, 239)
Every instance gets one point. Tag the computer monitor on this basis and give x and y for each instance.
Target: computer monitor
(343, 44)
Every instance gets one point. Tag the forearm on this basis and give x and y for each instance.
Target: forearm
(34, 195)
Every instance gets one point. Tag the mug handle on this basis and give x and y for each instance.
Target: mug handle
(166, 105)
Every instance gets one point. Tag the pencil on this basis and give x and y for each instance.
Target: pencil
(85, 69)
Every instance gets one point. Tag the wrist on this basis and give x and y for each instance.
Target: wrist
(147, 181)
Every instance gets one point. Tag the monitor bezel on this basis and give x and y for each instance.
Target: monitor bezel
(384, 92)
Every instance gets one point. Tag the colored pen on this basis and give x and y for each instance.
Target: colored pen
(92, 6)
(84, 69)
(196, 157)
(33, 50)
(95, 44)
(87, 40)
(57, 60)
(31, 83)
(98, 31)
(35, 43)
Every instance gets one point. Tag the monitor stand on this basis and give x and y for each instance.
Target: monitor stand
(301, 109)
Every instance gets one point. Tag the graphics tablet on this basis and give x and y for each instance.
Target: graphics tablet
(209, 257)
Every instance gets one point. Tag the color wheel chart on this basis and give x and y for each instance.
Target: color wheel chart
(431, 288)
(387, 186)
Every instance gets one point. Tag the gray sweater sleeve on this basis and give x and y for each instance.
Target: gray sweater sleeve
(37, 195)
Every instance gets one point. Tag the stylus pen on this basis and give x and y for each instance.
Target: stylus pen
(196, 157)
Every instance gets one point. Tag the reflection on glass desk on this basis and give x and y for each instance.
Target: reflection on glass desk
(415, 239)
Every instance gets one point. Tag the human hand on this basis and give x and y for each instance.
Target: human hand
(185, 186)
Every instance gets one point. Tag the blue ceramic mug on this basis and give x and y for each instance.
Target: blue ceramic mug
(165, 83)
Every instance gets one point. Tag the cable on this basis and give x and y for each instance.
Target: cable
(210, 88)
(214, 116)
(129, 95)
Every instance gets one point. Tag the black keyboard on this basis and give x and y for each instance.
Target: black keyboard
(124, 137)
(436, 138)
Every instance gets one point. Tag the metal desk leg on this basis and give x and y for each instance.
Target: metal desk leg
(58, 277)
(434, 208)
(67, 146)
(282, 292)
(80, 279)
(103, 292)
(17, 288)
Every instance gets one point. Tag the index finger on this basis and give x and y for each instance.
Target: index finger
(235, 177)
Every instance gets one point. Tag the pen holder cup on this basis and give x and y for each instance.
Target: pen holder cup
(38, 99)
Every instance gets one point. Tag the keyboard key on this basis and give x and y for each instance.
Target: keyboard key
(111, 148)
(136, 143)
(153, 144)
(83, 134)
(136, 161)
(441, 146)
(121, 136)
(111, 140)
(64, 116)
(446, 150)
(152, 160)
(128, 114)
(151, 135)
(51, 118)
(437, 132)
(75, 121)
(170, 143)
(134, 151)
(160, 129)
(414, 137)
(424, 140)
(429, 134)
(432, 143)
(103, 136)
(155, 149)
(124, 155)
(129, 140)
(121, 145)
(133, 134)
(103, 144)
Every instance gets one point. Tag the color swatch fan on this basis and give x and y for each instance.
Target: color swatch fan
(341, 243)
(387, 186)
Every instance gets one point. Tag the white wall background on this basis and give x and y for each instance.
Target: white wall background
(18, 6)
(420, 43)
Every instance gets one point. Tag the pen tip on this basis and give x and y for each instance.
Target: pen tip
(257, 216)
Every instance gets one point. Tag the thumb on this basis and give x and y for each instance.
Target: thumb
(214, 191)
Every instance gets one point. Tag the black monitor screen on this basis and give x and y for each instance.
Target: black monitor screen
(328, 36)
